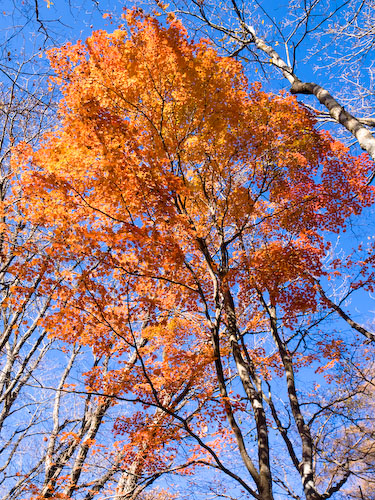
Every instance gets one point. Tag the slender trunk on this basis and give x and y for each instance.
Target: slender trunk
(252, 386)
(306, 465)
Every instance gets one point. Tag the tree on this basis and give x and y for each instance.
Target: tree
(355, 440)
(190, 215)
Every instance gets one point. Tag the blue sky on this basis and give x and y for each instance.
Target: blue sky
(69, 24)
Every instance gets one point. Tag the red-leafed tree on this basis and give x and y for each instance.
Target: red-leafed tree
(190, 216)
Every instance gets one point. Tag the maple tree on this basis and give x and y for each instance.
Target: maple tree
(188, 217)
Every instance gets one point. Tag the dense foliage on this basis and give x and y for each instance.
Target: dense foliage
(184, 219)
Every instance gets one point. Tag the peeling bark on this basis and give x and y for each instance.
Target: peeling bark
(365, 138)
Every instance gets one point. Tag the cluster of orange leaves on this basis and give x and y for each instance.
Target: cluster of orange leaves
(163, 143)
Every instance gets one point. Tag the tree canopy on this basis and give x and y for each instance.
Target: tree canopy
(188, 216)
(176, 280)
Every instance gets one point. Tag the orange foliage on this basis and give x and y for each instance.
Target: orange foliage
(169, 178)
